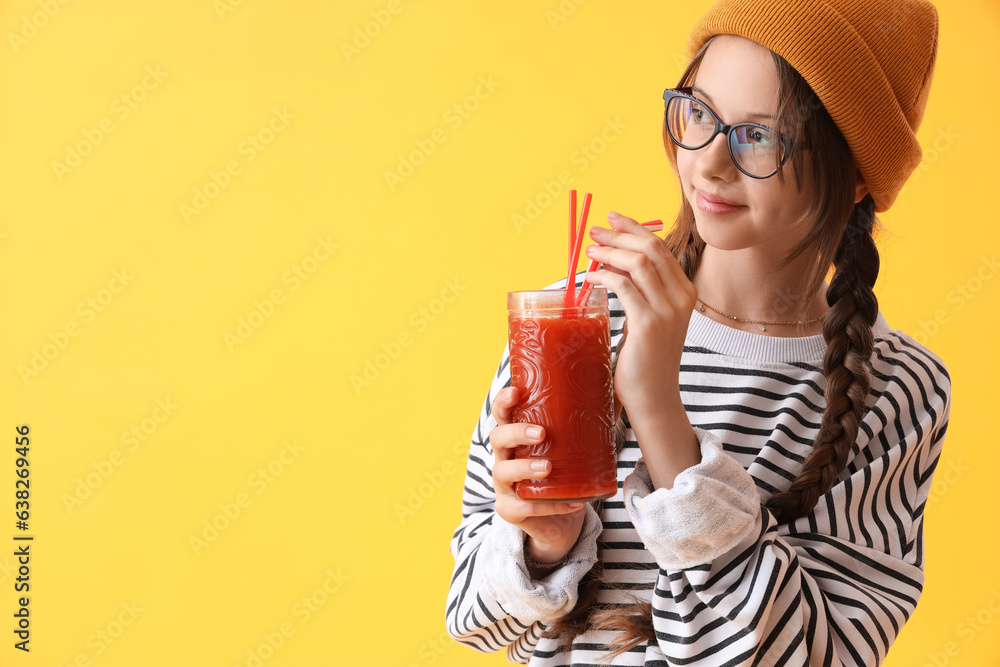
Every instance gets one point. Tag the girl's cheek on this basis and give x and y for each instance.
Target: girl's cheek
(685, 165)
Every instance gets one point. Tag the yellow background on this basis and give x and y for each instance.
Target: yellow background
(414, 286)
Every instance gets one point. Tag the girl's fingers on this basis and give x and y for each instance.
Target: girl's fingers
(520, 512)
(515, 470)
(652, 267)
(617, 249)
(506, 438)
(635, 281)
(628, 234)
(633, 300)
(551, 509)
(514, 510)
(643, 268)
(504, 401)
(625, 227)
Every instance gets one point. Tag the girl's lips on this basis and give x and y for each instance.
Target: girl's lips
(715, 204)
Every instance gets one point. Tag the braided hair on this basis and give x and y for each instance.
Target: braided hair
(847, 329)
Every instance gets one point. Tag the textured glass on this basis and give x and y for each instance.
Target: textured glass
(560, 362)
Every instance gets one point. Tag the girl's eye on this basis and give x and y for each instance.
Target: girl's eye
(759, 136)
(699, 114)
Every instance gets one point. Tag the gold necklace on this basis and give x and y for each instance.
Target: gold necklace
(762, 323)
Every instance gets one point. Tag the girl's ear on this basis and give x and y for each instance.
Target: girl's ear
(861, 189)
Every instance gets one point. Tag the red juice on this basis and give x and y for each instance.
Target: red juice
(560, 362)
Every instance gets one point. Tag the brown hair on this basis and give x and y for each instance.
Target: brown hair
(841, 235)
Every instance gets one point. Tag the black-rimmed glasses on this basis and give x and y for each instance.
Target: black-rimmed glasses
(757, 150)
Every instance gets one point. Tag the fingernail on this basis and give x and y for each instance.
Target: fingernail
(614, 214)
(596, 231)
(590, 249)
(533, 432)
(538, 464)
(576, 506)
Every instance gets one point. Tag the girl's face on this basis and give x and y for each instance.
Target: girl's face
(738, 80)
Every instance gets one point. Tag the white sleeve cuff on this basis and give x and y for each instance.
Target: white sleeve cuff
(711, 508)
(507, 580)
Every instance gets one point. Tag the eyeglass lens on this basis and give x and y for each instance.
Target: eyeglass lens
(692, 125)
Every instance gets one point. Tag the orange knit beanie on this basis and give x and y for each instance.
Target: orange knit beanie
(870, 62)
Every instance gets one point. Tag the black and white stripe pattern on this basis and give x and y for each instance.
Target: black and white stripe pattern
(832, 588)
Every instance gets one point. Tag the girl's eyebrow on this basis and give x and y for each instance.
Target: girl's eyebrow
(708, 98)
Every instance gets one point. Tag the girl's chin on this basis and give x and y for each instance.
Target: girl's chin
(730, 238)
(719, 237)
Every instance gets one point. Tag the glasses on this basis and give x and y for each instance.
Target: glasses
(757, 150)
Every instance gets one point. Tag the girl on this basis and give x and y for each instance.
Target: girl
(777, 437)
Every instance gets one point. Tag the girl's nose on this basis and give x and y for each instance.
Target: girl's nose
(715, 161)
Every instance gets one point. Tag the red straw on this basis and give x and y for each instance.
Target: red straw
(652, 225)
(575, 246)
(581, 231)
(572, 240)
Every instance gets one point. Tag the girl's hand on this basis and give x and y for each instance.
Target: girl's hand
(552, 528)
(658, 299)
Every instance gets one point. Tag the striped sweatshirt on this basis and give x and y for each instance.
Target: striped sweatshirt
(729, 585)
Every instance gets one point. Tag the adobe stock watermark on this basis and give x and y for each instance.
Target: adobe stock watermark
(431, 482)
(365, 33)
(7, 569)
(224, 8)
(432, 649)
(967, 630)
(248, 149)
(104, 637)
(942, 143)
(30, 25)
(946, 479)
(59, 340)
(419, 320)
(454, 117)
(121, 108)
(680, 61)
(958, 297)
(301, 612)
(132, 438)
(294, 277)
(581, 158)
(562, 12)
(230, 511)
(783, 304)
(901, 13)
